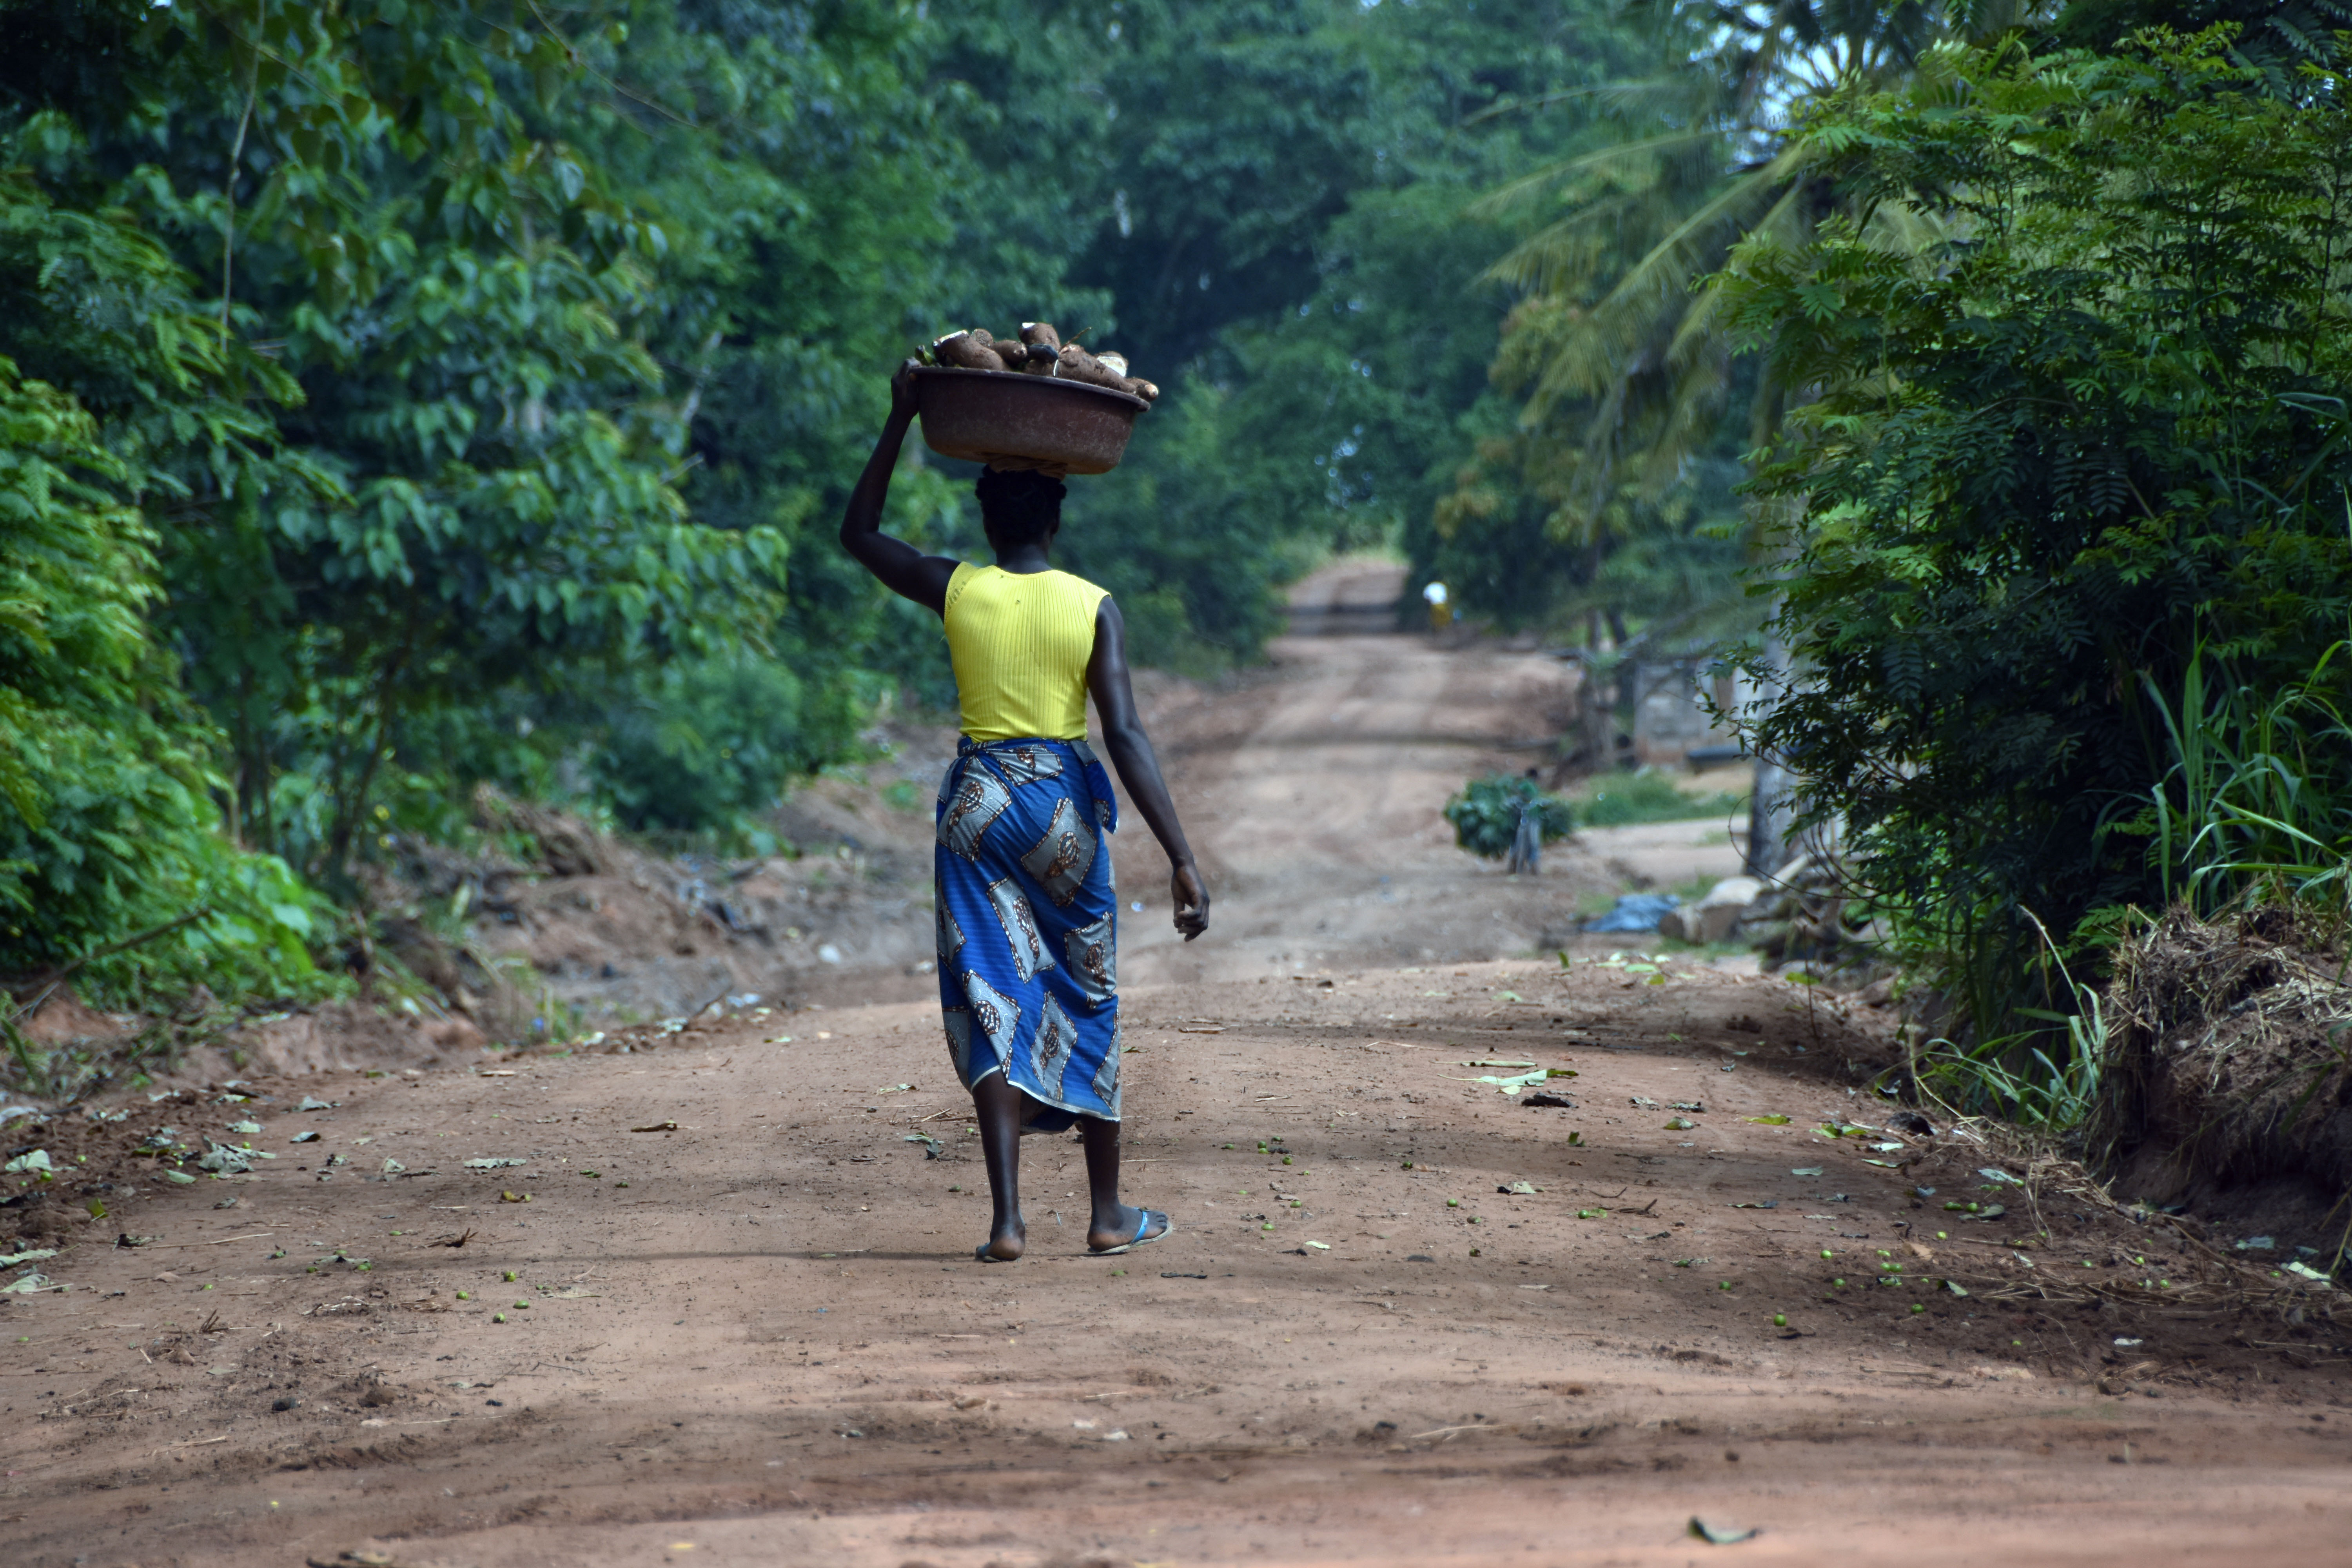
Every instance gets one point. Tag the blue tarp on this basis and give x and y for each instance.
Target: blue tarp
(1634, 911)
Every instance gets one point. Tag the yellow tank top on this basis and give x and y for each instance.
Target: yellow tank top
(1020, 642)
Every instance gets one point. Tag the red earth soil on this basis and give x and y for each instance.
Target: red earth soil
(724, 1308)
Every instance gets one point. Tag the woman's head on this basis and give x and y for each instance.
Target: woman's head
(1020, 506)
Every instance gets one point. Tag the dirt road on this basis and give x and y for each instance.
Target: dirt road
(1312, 795)
(713, 1300)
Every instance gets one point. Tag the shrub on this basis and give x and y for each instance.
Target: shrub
(106, 828)
(1487, 814)
(2077, 414)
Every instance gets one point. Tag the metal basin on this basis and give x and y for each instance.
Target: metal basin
(1024, 421)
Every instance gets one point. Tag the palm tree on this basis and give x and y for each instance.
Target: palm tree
(1625, 372)
(1616, 348)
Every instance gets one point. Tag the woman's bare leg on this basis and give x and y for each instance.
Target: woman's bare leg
(1112, 1222)
(997, 1106)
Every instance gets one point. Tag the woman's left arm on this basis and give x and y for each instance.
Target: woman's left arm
(903, 569)
(1139, 765)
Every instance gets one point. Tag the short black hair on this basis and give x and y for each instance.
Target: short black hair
(1019, 506)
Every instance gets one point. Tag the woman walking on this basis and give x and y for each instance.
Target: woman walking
(1028, 918)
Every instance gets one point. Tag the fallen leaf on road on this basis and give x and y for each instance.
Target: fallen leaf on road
(1716, 1535)
(1680, 1125)
(514, 1197)
(1767, 1204)
(493, 1163)
(1773, 1120)
(1806, 1171)
(1540, 1099)
(1523, 1189)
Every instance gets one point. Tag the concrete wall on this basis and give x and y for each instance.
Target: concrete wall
(1670, 720)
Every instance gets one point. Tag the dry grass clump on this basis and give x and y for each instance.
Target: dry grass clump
(2229, 1062)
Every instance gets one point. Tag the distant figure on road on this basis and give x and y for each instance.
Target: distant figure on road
(1028, 918)
(1441, 614)
(1526, 836)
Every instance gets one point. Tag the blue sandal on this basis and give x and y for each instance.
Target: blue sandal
(1140, 1238)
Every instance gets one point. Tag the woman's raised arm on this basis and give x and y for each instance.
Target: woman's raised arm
(903, 569)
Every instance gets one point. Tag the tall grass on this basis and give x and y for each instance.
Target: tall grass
(1620, 800)
(2259, 796)
(2254, 803)
(2015, 1076)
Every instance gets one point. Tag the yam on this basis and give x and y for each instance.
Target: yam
(960, 350)
(1080, 365)
(1039, 351)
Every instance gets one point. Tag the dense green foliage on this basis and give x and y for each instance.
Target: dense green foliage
(2095, 427)
(106, 831)
(464, 393)
(1335, 411)
(1632, 403)
(1485, 815)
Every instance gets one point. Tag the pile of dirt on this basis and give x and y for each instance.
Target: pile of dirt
(2227, 1085)
(545, 930)
(553, 928)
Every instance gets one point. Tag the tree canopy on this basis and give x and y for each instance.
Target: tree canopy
(461, 392)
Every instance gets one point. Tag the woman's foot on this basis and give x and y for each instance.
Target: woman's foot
(1123, 1227)
(1006, 1244)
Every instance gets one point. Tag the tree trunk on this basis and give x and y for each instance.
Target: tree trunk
(1772, 808)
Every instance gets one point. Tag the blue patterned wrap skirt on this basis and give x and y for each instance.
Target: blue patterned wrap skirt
(1028, 925)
